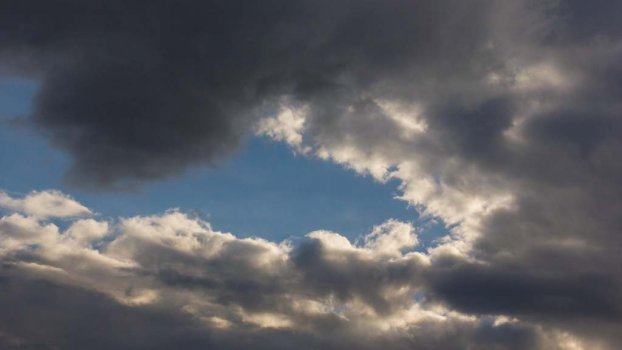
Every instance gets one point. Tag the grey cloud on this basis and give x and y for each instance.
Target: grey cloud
(483, 290)
(65, 317)
(138, 91)
(518, 151)
(103, 324)
(355, 276)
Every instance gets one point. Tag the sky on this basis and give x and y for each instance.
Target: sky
(264, 189)
(310, 174)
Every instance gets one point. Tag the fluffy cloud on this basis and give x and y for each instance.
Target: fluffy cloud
(172, 276)
(173, 280)
(45, 204)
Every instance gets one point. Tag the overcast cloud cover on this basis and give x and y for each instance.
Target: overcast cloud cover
(501, 118)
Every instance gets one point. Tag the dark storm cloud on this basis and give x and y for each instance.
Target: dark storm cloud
(137, 91)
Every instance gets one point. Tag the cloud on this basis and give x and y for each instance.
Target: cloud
(171, 280)
(502, 119)
(137, 92)
(45, 204)
(512, 143)
(287, 126)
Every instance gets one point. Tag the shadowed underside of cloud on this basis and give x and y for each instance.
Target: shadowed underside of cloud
(503, 119)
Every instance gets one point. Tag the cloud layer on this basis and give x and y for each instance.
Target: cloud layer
(135, 92)
(502, 119)
(171, 280)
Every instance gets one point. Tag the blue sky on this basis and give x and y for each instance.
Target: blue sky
(264, 190)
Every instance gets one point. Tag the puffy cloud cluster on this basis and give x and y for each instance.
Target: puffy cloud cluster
(171, 279)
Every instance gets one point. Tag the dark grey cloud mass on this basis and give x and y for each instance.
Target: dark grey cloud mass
(501, 118)
(137, 91)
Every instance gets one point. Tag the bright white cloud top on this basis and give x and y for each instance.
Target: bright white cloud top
(44, 204)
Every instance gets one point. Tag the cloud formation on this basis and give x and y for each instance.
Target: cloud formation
(516, 148)
(45, 204)
(136, 92)
(502, 119)
(171, 280)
